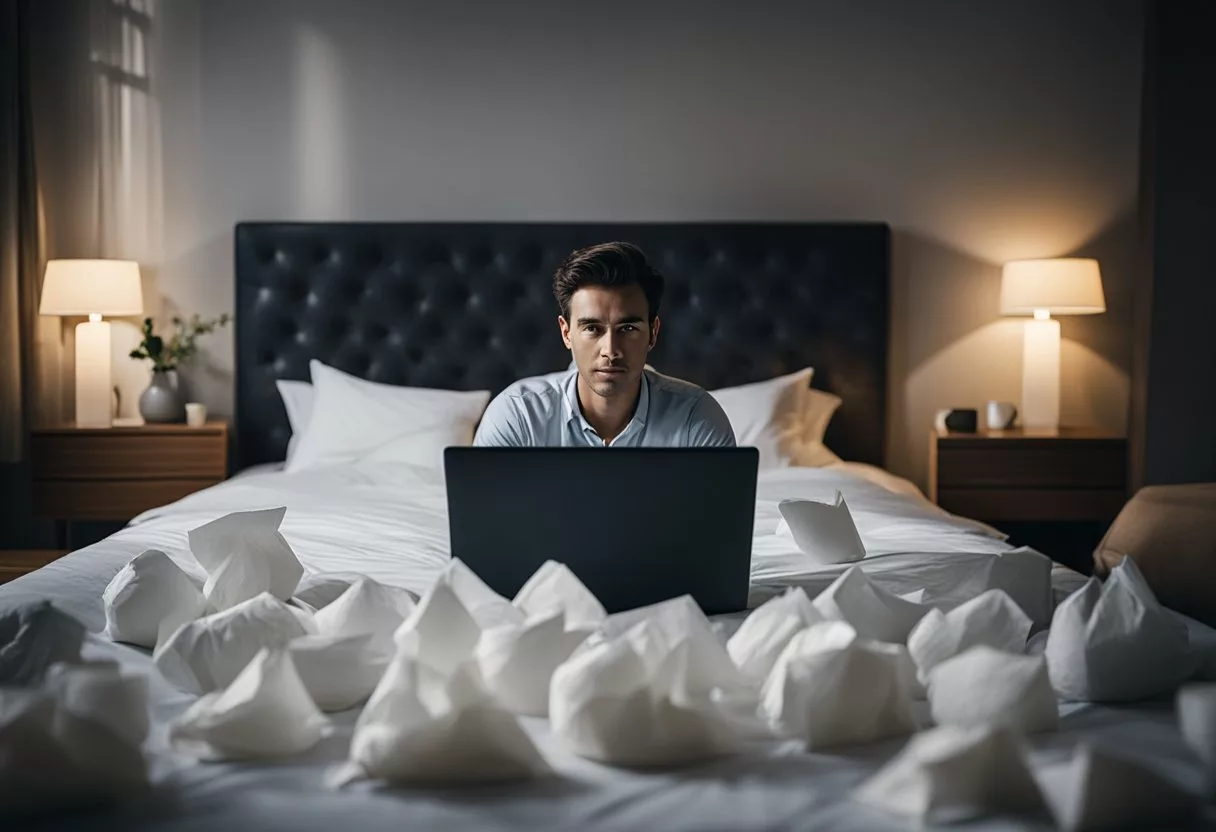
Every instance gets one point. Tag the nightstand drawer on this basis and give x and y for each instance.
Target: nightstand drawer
(81, 455)
(997, 505)
(110, 499)
(1084, 465)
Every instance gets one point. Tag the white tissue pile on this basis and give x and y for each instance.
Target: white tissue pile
(443, 682)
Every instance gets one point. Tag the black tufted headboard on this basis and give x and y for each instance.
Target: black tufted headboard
(470, 306)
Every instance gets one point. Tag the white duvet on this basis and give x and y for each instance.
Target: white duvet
(388, 521)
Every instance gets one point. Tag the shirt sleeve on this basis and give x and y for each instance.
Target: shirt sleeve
(501, 425)
(708, 425)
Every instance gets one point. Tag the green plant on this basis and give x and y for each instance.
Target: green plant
(181, 346)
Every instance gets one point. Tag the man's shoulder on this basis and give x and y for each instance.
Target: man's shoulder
(541, 389)
(676, 388)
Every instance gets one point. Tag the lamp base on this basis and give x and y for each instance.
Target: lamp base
(93, 388)
(1041, 374)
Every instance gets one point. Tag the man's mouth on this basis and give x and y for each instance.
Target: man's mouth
(610, 371)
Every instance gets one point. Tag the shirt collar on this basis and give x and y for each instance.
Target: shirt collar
(575, 413)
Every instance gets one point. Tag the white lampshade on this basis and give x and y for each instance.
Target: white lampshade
(1062, 286)
(91, 287)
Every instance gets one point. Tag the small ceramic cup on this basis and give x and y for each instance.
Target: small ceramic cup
(1001, 415)
(196, 414)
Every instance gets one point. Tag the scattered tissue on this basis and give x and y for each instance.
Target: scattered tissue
(952, 774)
(442, 631)
(149, 593)
(265, 712)
(338, 672)
(991, 618)
(871, 610)
(830, 688)
(366, 608)
(824, 531)
(984, 686)
(208, 653)
(1114, 642)
(244, 555)
(34, 636)
(426, 726)
(758, 642)
(74, 742)
(554, 587)
(662, 693)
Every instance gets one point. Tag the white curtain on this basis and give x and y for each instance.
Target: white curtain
(127, 183)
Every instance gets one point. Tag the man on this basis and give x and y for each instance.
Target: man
(609, 298)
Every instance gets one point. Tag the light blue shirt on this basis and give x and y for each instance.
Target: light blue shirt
(544, 411)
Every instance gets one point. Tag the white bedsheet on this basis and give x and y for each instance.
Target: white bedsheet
(389, 522)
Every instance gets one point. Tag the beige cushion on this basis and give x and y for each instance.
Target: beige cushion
(1170, 532)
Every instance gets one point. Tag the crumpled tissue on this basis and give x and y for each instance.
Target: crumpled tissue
(766, 631)
(208, 653)
(150, 593)
(102, 692)
(62, 749)
(1114, 642)
(871, 610)
(985, 686)
(824, 531)
(1102, 789)
(443, 630)
(265, 712)
(338, 672)
(662, 693)
(830, 687)
(425, 726)
(991, 618)
(486, 607)
(320, 589)
(517, 660)
(951, 774)
(554, 587)
(367, 608)
(1196, 706)
(33, 636)
(245, 554)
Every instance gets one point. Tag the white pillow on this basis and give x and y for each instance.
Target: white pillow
(297, 401)
(353, 420)
(768, 415)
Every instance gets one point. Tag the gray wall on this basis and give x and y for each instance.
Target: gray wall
(980, 131)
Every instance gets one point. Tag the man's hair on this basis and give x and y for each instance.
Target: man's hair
(607, 264)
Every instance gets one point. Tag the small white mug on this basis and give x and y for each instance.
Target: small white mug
(1001, 415)
(196, 414)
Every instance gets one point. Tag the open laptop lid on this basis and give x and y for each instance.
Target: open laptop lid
(636, 525)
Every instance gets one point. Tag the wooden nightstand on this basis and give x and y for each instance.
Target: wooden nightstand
(1055, 490)
(116, 473)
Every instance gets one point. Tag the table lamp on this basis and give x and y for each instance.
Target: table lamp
(93, 288)
(1042, 288)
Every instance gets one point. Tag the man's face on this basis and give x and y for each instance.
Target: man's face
(609, 337)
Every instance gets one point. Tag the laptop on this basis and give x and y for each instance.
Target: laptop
(636, 525)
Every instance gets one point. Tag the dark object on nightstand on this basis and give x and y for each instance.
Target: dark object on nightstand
(962, 421)
(116, 473)
(1057, 490)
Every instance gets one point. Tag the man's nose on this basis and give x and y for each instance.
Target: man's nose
(609, 345)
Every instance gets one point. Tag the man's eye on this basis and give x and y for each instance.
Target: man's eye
(591, 330)
(628, 328)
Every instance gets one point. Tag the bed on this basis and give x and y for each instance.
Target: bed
(467, 307)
